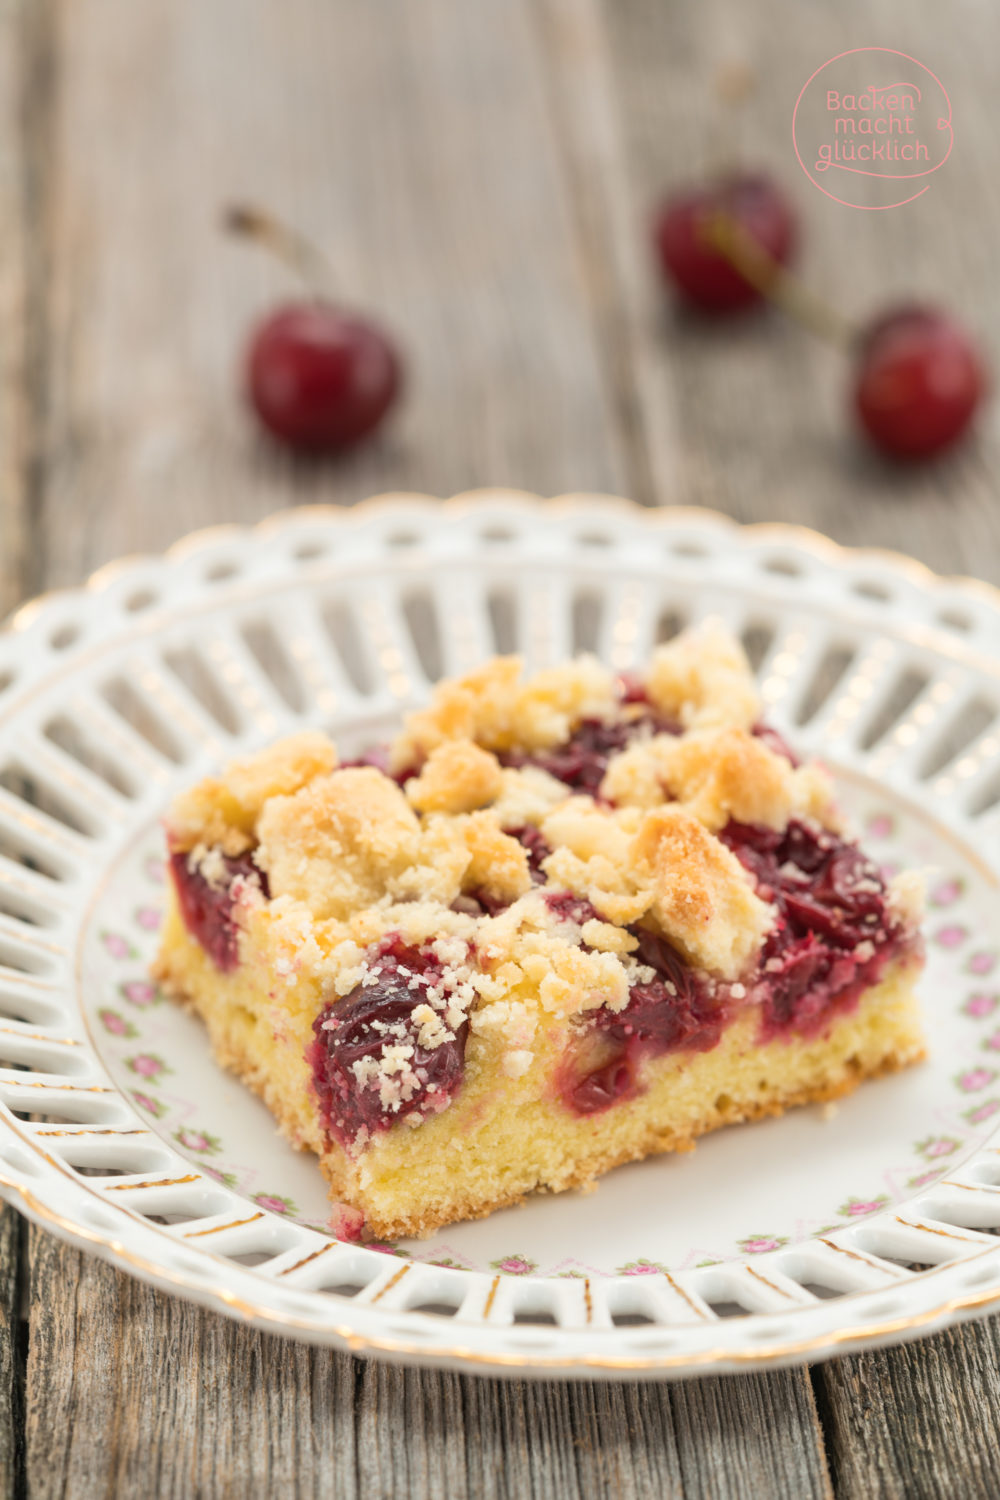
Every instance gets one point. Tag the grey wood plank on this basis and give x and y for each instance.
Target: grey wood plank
(758, 406)
(135, 1394)
(415, 144)
(736, 1436)
(917, 1423)
(132, 1394)
(22, 95)
(591, 129)
(759, 414)
(443, 158)
(22, 98)
(10, 1374)
(730, 1437)
(144, 440)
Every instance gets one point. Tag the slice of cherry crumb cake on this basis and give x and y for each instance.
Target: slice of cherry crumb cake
(562, 922)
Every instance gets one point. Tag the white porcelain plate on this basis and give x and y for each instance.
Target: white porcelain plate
(794, 1239)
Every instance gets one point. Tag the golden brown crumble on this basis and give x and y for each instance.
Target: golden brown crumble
(457, 777)
(527, 795)
(223, 811)
(703, 679)
(477, 862)
(703, 899)
(499, 710)
(338, 843)
(350, 857)
(719, 774)
(498, 864)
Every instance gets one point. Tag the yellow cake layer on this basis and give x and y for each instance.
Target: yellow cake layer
(502, 1138)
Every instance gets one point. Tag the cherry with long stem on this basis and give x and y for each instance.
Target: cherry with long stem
(918, 378)
(320, 378)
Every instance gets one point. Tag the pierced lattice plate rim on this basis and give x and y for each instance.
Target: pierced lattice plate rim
(116, 694)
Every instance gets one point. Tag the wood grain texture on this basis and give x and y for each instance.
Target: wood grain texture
(917, 1423)
(415, 144)
(21, 87)
(639, 383)
(759, 406)
(133, 1394)
(482, 176)
(10, 1374)
(21, 90)
(502, 1440)
(441, 161)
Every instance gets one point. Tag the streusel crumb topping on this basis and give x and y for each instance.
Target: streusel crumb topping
(457, 777)
(223, 811)
(718, 774)
(499, 710)
(541, 829)
(704, 679)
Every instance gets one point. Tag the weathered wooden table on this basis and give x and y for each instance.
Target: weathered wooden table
(482, 175)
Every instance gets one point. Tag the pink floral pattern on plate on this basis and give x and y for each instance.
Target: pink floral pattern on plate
(935, 1146)
(134, 1026)
(274, 1204)
(980, 1113)
(514, 1265)
(154, 1107)
(199, 1141)
(147, 1065)
(141, 992)
(946, 892)
(760, 1244)
(118, 946)
(857, 1208)
(115, 1022)
(923, 1179)
(974, 1079)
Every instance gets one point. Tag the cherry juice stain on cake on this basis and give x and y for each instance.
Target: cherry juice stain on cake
(581, 761)
(207, 906)
(534, 842)
(835, 934)
(569, 907)
(373, 1061)
(678, 1009)
(479, 902)
(775, 742)
(834, 938)
(675, 1009)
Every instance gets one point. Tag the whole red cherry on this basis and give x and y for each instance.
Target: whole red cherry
(321, 378)
(689, 258)
(918, 382)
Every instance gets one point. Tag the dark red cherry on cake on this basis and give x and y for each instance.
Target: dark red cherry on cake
(582, 760)
(321, 378)
(207, 907)
(685, 230)
(379, 1014)
(918, 382)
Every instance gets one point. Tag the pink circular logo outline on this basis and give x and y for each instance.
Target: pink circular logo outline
(945, 124)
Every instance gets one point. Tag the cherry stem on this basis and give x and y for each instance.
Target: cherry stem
(287, 244)
(769, 277)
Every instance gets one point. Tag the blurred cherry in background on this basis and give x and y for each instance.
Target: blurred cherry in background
(319, 376)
